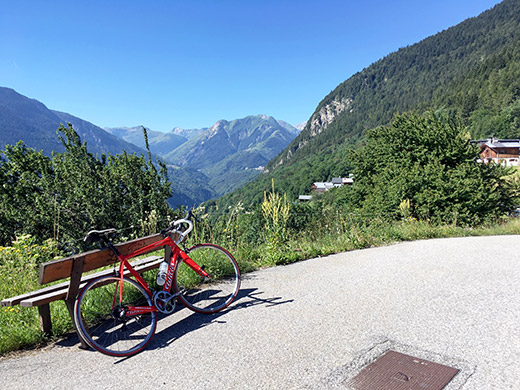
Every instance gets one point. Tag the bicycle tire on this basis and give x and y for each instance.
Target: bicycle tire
(97, 316)
(207, 295)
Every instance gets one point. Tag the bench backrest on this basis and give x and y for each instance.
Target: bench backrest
(64, 268)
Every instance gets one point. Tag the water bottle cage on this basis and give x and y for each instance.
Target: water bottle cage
(161, 274)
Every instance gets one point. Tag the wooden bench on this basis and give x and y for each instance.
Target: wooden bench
(72, 268)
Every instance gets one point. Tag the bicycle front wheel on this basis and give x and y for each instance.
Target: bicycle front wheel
(104, 321)
(208, 295)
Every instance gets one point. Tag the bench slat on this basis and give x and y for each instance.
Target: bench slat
(62, 293)
(62, 268)
(16, 300)
(140, 265)
(45, 298)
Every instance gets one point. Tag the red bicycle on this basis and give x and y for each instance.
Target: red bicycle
(117, 315)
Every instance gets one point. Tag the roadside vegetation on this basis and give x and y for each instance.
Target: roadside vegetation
(19, 263)
(415, 179)
(63, 196)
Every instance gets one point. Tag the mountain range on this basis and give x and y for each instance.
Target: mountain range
(228, 154)
(203, 163)
(160, 143)
(471, 70)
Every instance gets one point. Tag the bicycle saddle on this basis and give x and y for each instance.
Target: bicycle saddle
(96, 235)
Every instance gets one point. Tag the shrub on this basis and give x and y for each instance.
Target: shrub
(427, 162)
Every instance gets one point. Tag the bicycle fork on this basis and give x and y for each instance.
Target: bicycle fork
(189, 262)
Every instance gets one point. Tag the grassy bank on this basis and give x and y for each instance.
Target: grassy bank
(19, 265)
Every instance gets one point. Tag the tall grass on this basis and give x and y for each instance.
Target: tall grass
(19, 268)
(241, 233)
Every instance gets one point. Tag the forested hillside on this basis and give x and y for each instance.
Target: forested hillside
(471, 70)
(29, 120)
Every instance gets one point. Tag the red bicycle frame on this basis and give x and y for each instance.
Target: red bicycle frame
(176, 252)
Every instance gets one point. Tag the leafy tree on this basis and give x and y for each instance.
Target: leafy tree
(427, 161)
(26, 202)
(65, 196)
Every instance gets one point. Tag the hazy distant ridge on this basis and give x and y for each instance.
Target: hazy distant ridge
(229, 153)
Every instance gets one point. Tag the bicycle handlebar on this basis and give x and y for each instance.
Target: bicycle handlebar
(96, 235)
(180, 222)
(186, 220)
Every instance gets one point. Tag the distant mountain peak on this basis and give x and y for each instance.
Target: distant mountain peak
(301, 126)
(230, 151)
(187, 133)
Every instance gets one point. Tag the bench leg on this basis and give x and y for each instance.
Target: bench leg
(45, 319)
(70, 307)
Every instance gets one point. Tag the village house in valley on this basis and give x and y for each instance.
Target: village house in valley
(500, 151)
(320, 187)
(336, 182)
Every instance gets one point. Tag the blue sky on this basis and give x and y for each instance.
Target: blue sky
(187, 64)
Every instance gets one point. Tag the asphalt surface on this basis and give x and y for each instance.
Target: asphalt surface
(316, 323)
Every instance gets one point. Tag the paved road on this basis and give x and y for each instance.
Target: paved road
(314, 324)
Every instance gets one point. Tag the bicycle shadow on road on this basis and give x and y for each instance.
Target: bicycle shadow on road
(246, 298)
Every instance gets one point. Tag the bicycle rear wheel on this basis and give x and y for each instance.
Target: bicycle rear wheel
(208, 295)
(103, 322)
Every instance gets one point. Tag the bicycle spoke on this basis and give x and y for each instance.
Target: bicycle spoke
(202, 294)
(105, 326)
